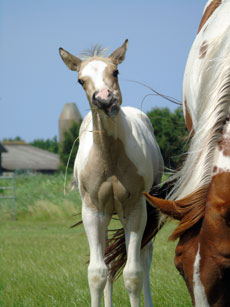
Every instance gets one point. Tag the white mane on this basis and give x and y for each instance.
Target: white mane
(95, 51)
(213, 103)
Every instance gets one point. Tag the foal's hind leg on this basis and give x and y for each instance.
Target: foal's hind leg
(96, 224)
(133, 271)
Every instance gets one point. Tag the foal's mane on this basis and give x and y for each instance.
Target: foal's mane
(213, 105)
(94, 51)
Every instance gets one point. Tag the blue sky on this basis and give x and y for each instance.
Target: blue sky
(34, 82)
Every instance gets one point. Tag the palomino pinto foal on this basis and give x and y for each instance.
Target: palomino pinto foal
(201, 197)
(117, 160)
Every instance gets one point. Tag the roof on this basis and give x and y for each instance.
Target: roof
(24, 156)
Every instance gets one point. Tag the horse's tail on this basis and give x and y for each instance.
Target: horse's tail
(115, 253)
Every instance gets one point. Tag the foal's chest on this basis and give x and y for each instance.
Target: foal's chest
(110, 177)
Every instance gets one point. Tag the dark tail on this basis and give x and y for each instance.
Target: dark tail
(115, 254)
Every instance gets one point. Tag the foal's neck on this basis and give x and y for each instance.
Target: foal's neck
(104, 127)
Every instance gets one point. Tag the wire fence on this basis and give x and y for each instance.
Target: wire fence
(11, 188)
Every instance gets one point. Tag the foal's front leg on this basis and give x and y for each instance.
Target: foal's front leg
(96, 224)
(108, 293)
(133, 272)
(146, 258)
(108, 290)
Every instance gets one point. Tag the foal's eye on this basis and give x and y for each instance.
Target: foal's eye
(81, 81)
(115, 73)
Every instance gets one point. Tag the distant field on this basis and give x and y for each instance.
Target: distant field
(43, 261)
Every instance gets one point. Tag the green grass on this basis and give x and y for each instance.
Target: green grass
(41, 197)
(44, 263)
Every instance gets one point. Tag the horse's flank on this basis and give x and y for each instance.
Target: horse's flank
(208, 11)
(200, 199)
(207, 102)
(213, 102)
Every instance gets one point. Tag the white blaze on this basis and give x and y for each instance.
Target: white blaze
(95, 70)
(198, 288)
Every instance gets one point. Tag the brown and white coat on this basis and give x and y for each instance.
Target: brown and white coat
(117, 160)
(200, 200)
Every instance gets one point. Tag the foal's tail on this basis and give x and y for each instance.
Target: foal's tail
(115, 253)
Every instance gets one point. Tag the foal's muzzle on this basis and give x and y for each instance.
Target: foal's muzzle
(106, 101)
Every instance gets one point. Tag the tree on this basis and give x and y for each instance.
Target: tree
(48, 144)
(16, 139)
(171, 134)
(68, 148)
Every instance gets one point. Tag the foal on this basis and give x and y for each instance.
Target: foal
(118, 159)
(201, 197)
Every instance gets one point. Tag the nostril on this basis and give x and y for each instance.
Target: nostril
(94, 95)
(104, 94)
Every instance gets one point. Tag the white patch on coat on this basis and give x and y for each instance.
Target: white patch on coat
(136, 133)
(205, 87)
(198, 288)
(85, 145)
(95, 70)
(214, 28)
(222, 161)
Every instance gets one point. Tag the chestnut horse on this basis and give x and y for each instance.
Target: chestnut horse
(200, 199)
(117, 160)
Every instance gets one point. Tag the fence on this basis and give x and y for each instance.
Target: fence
(12, 189)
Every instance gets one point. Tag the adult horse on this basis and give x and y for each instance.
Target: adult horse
(117, 160)
(201, 198)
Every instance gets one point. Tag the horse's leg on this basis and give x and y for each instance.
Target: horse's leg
(108, 293)
(108, 287)
(96, 224)
(146, 258)
(133, 271)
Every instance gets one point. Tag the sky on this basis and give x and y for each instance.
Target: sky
(34, 82)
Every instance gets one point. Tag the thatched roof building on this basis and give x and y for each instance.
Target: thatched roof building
(22, 156)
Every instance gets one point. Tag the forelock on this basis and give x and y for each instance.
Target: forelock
(94, 51)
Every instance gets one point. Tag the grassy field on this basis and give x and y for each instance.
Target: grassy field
(43, 261)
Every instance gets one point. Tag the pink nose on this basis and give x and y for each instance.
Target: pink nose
(103, 94)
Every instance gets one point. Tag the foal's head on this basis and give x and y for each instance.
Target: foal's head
(99, 78)
(203, 251)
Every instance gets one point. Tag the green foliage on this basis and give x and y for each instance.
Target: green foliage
(48, 144)
(16, 139)
(171, 134)
(68, 148)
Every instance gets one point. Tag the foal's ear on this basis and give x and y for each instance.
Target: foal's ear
(118, 56)
(70, 60)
